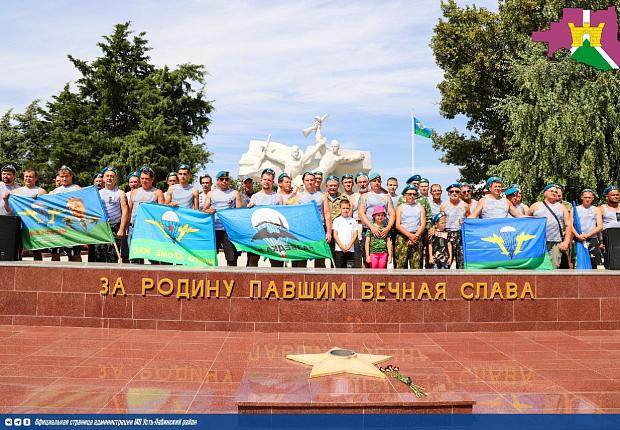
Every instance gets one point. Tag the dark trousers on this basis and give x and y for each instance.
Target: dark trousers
(230, 252)
(344, 260)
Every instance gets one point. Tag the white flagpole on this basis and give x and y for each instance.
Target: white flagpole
(412, 146)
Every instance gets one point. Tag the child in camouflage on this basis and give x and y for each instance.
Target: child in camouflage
(440, 248)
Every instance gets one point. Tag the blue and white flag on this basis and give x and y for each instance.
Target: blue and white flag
(509, 243)
(279, 232)
(173, 235)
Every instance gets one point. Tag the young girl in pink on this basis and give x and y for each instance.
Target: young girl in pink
(378, 250)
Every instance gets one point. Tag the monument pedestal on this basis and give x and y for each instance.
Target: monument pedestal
(305, 300)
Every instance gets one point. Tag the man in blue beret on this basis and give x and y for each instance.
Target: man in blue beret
(367, 203)
(219, 198)
(493, 204)
(559, 225)
(117, 211)
(513, 193)
(456, 211)
(424, 188)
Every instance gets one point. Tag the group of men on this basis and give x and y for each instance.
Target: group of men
(415, 221)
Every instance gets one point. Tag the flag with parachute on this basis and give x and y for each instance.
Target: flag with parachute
(287, 232)
(509, 243)
(173, 235)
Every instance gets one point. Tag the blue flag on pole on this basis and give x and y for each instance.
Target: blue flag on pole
(57, 220)
(420, 129)
(173, 235)
(509, 243)
(277, 232)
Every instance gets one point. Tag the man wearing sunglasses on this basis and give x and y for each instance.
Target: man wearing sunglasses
(220, 198)
(183, 194)
(456, 211)
(467, 194)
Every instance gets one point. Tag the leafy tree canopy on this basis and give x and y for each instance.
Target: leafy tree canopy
(122, 111)
(530, 119)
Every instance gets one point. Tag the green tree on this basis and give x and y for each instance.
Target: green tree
(530, 119)
(122, 111)
(23, 140)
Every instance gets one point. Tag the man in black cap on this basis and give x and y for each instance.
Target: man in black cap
(7, 186)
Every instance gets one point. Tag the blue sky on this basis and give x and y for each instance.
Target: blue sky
(272, 67)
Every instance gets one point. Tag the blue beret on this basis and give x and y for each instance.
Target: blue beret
(221, 174)
(109, 169)
(609, 189)
(491, 180)
(414, 178)
(454, 185)
(373, 175)
(549, 186)
(360, 174)
(411, 187)
(438, 216)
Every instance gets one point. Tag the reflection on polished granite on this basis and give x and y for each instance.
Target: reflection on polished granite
(84, 370)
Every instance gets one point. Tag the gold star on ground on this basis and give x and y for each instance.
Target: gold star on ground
(338, 360)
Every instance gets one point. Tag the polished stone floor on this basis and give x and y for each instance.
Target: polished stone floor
(85, 370)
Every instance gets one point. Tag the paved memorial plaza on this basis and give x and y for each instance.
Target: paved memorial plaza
(86, 370)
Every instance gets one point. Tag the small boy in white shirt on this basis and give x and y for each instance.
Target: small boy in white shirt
(344, 230)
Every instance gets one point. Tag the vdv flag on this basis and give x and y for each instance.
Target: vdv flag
(287, 232)
(57, 220)
(173, 235)
(509, 243)
(420, 129)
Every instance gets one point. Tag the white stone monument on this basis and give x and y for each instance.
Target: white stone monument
(328, 158)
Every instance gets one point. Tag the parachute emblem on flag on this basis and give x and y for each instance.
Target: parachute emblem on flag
(170, 221)
(171, 226)
(508, 241)
(272, 227)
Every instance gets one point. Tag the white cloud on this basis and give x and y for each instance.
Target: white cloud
(272, 65)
